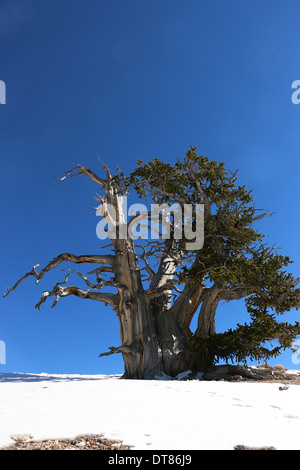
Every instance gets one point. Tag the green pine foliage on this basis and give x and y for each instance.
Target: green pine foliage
(261, 340)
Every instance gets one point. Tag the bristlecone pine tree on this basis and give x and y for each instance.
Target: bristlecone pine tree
(159, 285)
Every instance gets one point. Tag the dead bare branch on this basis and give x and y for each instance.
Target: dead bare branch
(59, 291)
(87, 172)
(98, 259)
(113, 350)
(147, 266)
(30, 273)
(100, 280)
(108, 174)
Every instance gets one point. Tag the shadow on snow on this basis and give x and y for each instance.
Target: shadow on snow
(24, 377)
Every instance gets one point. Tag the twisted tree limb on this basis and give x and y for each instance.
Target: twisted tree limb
(99, 259)
(85, 171)
(59, 291)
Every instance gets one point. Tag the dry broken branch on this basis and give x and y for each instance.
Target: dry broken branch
(87, 172)
(98, 259)
(113, 350)
(100, 280)
(59, 291)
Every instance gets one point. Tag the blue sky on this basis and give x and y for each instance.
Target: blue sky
(123, 80)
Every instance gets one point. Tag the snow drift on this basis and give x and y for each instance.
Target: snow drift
(154, 415)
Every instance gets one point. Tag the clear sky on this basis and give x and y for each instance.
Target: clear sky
(123, 80)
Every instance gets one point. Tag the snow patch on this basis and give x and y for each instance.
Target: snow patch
(163, 376)
(184, 375)
(160, 414)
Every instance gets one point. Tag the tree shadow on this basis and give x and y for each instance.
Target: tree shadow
(26, 377)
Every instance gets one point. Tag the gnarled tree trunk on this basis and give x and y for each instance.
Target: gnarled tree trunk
(138, 336)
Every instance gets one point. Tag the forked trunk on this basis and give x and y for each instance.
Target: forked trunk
(152, 341)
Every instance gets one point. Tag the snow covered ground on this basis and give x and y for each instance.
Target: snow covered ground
(159, 414)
